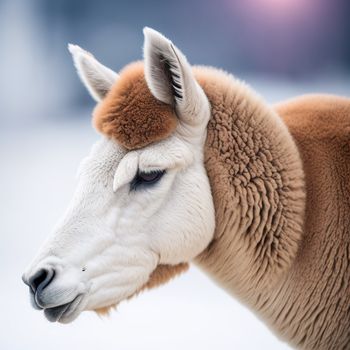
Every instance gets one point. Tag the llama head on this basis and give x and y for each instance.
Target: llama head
(143, 199)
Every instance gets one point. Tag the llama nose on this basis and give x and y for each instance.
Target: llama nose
(40, 280)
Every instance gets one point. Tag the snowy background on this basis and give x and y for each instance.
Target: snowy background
(45, 132)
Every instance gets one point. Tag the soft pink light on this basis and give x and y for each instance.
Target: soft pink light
(277, 9)
(282, 6)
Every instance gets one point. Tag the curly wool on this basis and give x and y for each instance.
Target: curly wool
(280, 183)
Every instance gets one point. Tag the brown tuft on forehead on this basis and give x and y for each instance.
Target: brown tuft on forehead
(130, 114)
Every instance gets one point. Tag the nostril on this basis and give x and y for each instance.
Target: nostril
(41, 279)
(37, 279)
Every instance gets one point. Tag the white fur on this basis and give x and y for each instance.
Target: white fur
(97, 78)
(112, 237)
(126, 170)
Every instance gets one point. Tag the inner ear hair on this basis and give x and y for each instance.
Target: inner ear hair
(173, 76)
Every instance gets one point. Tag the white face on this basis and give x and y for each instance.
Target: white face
(131, 212)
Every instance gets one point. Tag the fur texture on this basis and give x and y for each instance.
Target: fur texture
(257, 183)
(293, 272)
(130, 114)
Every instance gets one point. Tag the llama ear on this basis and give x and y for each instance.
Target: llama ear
(170, 78)
(96, 77)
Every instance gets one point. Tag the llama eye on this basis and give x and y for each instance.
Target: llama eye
(149, 178)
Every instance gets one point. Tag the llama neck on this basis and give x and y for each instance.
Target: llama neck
(257, 184)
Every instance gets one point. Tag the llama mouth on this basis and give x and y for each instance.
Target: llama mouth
(64, 313)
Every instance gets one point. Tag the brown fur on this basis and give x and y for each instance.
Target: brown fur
(256, 179)
(130, 114)
(292, 271)
(163, 274)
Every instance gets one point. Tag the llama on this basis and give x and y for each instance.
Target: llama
(193, 166)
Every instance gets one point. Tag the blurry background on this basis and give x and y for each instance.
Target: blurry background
(282, 48)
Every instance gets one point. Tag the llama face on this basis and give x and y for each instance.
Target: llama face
(133, 209)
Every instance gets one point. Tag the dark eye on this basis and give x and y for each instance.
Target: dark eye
(146, 179)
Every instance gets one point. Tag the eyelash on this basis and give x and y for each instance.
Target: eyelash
(140, 179)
